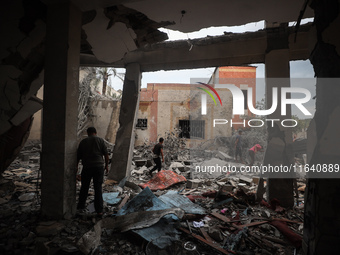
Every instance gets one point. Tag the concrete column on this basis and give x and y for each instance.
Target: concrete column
(125, 140)
(59, 137)
(279, 147)
(321, 232)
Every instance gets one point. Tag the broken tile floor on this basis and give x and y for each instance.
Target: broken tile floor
(176, 212)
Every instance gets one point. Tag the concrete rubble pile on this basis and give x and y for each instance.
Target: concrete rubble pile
(202, 213)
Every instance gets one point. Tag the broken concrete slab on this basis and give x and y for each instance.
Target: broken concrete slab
(215, 234)
(90, 240)
(49, 228)
(177, 165)
(245, 180)
(26, 197)
(192, 184)
(140, 170)
(223, 156)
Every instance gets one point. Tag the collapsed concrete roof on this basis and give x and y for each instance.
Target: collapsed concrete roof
(113, 28)
(212, 51)
(116, 33)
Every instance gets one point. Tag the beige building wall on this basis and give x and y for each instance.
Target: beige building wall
(105, 116)
(164, 105)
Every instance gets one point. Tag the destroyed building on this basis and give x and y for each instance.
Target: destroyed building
(45, 42)
(165, 107)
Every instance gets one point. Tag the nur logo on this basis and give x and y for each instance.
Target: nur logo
(238, 99)
(204, 97)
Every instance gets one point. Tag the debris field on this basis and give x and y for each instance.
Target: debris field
(174, 211)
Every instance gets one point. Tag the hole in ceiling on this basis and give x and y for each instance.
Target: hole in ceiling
(216, 31)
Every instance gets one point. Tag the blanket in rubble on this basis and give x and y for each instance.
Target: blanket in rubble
(163, 180)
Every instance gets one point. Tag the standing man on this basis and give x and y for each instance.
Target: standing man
(91, 151)
(238, 145)
(158, 152)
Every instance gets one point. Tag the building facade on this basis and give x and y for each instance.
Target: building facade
(167, 107)
(243, 77)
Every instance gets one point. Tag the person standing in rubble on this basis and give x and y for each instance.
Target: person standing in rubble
(252, 151)
(91, 151)
(157, 153)
(238, 146)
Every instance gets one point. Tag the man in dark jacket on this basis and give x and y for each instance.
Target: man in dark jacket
(91, 151)
(158, 152)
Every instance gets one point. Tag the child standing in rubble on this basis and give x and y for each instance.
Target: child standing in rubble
(158, 152)
(252, 151)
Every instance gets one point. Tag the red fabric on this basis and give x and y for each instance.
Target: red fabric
(163, 180)
(256, 148)
(294, 238)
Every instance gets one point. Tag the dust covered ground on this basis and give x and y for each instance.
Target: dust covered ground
(216, 213)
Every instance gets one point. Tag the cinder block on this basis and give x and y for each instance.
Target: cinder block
(192, 184)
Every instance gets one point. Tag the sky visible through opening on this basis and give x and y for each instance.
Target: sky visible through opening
(298, 69)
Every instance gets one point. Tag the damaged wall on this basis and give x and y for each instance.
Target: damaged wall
(164, 105)
(22, 59)
(106, 114)
(104, 119)
(243, 77)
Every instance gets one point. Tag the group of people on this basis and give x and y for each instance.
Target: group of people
(95, 160)
(94, 157)
(252, 151)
